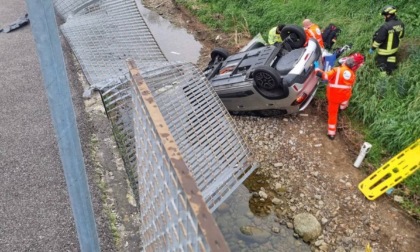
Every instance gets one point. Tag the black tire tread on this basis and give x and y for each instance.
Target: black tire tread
(300, 36)
(269, 71)
(219, 52)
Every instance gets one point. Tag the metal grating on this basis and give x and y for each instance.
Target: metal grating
(103, 34)
(67, 8)
(117, 101)
(103, 37)
(202, 128)
(173, 212)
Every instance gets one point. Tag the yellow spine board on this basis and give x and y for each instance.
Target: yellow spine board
(368, 248)
(392, 173)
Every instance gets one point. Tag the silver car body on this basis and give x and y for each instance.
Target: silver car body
(238, 91)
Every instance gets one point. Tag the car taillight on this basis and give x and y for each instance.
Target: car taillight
(302, 97)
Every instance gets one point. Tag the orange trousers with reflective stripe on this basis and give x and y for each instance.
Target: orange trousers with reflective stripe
(337, 99)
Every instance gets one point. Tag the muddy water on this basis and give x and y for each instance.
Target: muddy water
(247, 229)
(175, 42)
(244, 220)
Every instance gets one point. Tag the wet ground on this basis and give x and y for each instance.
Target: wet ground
(243, 213)
(175, 42)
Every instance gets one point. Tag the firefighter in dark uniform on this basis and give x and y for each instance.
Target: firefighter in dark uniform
(387, 40)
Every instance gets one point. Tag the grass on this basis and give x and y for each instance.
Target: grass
(387, 108)
(100, 182)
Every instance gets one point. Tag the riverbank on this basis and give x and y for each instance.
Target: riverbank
(304, 170)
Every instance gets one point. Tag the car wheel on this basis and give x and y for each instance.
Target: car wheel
(294, 35)
(266, 78)
(219, 54)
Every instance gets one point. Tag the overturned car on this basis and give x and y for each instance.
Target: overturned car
(267, 79)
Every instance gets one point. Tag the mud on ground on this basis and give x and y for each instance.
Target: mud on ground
(316, 173)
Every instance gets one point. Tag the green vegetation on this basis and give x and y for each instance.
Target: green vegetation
(387, 107)
(101, 183)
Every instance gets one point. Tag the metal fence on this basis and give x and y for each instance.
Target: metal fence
(174, 216)
(103, 34)
(202, 128)
(107, 32)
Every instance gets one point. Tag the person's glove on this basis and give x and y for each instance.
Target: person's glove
(370, 51)
(316, 64)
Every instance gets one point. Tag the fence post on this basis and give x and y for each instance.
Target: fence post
(45, 32)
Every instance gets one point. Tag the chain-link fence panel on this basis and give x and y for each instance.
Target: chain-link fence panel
(202, 128)
(174, 214)
(66, 8)
(117, 101)
(103, 34)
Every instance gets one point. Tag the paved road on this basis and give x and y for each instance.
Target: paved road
(35, 213)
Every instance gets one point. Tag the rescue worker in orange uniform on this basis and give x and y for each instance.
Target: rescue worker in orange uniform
(312, 31)
(339, 90)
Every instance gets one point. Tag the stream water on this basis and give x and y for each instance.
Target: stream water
(246, 229)
(175, 42)
(243, 228)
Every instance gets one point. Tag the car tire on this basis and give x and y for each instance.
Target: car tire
(294, 35)
(219, 54)
(267, 78)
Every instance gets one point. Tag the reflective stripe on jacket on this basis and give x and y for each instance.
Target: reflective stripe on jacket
(340, 83)
(387, 38)
(274, 37)
(313, 31)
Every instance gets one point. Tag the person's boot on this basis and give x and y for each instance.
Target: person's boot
(331, 137)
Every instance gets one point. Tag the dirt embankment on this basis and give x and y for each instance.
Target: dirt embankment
(316, 174)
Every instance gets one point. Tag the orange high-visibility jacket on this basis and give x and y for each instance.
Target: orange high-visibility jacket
(313, 31)
(340, 83)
